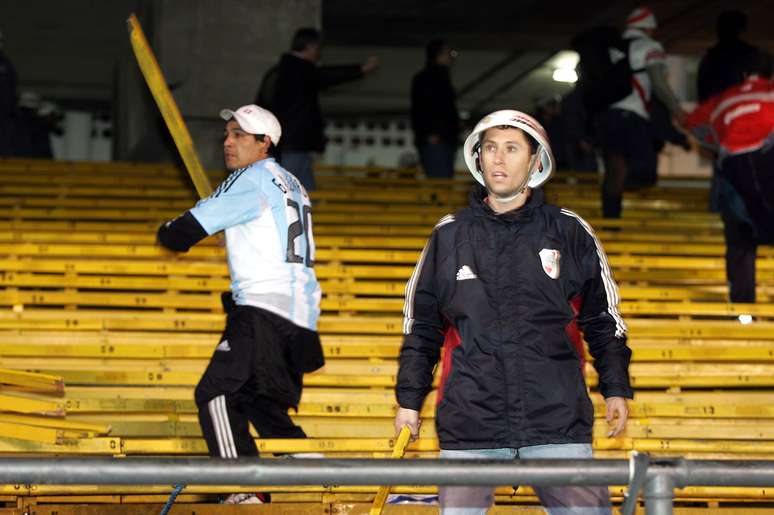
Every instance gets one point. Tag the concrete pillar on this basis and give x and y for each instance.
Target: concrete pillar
(213, 55)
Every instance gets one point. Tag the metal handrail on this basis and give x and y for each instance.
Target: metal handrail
(663, 475)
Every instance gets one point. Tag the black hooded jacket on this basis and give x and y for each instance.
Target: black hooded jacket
(505, 283)
(724, 65)
(433, 107)
(291, 91)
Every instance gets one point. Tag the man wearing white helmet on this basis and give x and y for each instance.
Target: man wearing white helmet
(502, 273)
(625, 132)
(270, 340)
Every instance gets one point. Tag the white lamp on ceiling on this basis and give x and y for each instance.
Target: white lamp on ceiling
(568, 75)
(564, 64)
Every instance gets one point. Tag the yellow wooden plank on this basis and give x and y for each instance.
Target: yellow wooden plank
(694, 308)
(110, 299)
(423, 231)
(695, 445)
(107, 446)
(182, 268)
(380, 425)
(706, 329)
(669, 220)
(115, 282)
(318, 401)
(46, 319)
(99, 493)
(89, 168)
(720, 351)
(212, 301)
(84, 344)
(277, 445)
(26, 404)
(36, 381)
(369, 202)
(359, 373)
(140, 202)
(218, 269)
(30, 433)
(205, 301)
(97, 179)
(351, 286)
(157, 84)
(56, 423)
(86, 404)
(100, 192)
(116, 266)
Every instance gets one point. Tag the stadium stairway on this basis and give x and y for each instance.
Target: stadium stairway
(89, 301)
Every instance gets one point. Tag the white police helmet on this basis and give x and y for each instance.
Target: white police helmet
(543, 165)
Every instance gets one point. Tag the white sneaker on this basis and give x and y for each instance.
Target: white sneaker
(244, 499)
(745, 319)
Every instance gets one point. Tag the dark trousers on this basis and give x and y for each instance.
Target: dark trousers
(741, 249)
(301, 164)
(437, 160)
(747, 206)
(630, 158)
(248, 381)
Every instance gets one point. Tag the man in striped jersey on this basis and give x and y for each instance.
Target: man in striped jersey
(502, 272)
(270, 340)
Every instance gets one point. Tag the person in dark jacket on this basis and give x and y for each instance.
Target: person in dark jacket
(434, 116)
(503, 272)
(8, 109)
(738, 124)
(724, 65)
(727, 63)
(291, 90)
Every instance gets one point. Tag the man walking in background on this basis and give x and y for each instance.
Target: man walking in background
(291, 89)
(434, 116)
(738, 124)
(625, 134)
(8, 109)
(724, 65)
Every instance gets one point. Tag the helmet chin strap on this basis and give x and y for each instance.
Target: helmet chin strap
(505, 200)
(520, 190)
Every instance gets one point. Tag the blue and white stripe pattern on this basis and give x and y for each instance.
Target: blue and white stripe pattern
(266, 215)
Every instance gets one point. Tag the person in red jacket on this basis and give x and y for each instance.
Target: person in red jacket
(739, 124)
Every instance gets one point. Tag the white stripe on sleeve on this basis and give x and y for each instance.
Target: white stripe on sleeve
(611, 289)
(411, 285)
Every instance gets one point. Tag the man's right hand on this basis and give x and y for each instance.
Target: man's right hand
(680, 117)
(370, 64)
(410, 418)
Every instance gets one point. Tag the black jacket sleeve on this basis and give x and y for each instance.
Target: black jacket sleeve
(423, 332)
(329, 76)
(182, 233)
(602, 324)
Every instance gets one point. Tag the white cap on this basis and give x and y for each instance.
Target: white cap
(641, 18)
(255, 120)
(544, 164)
